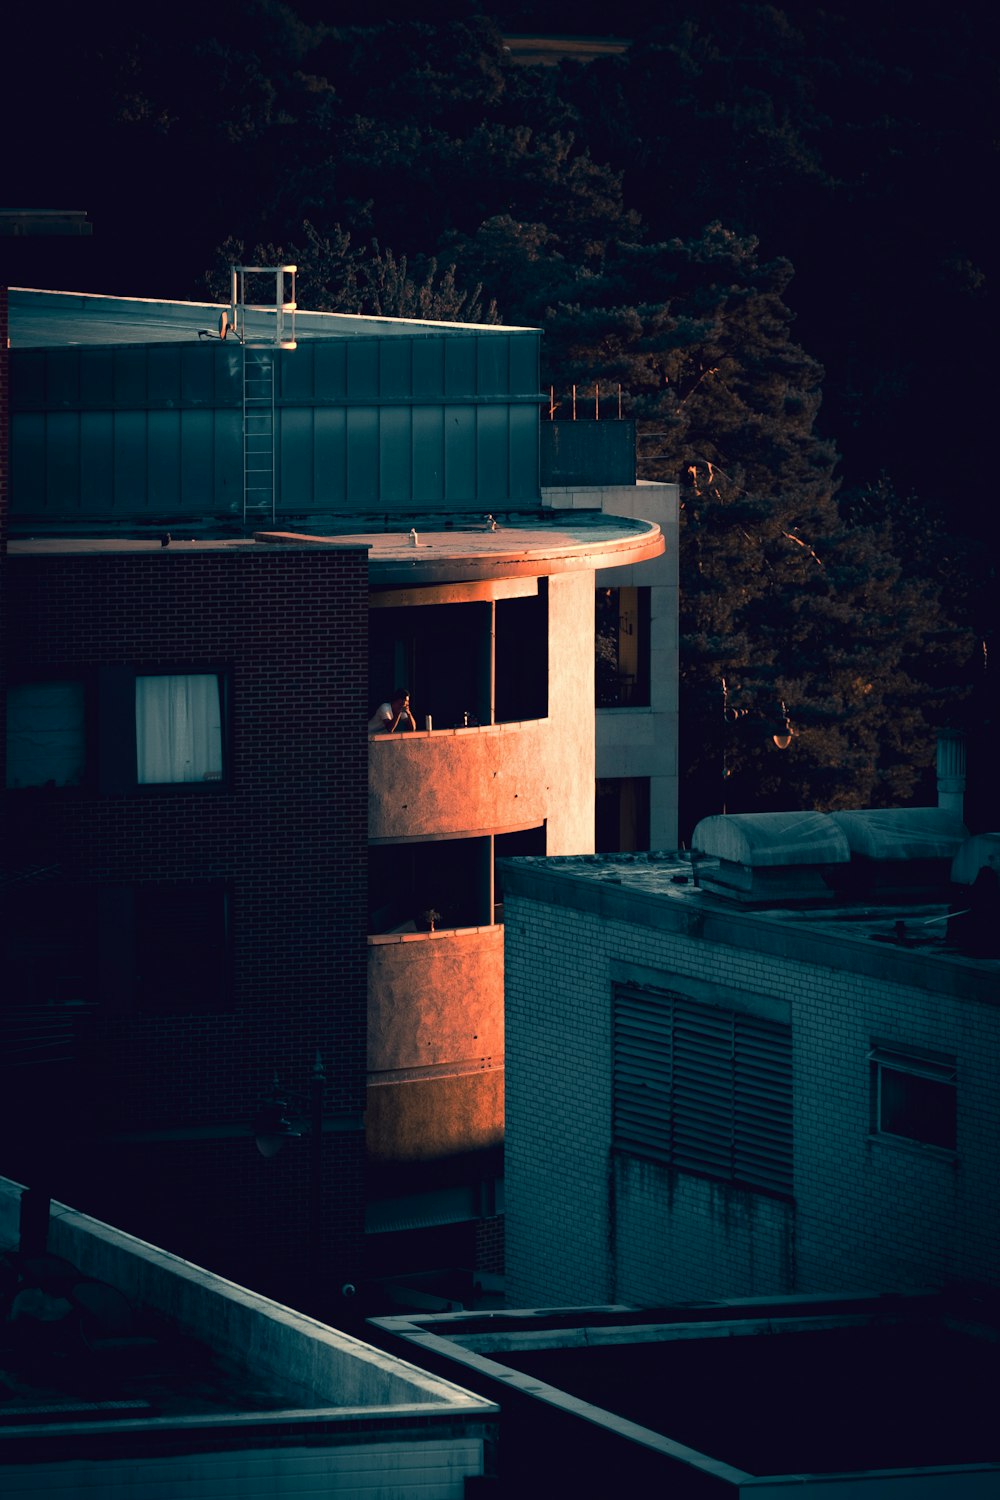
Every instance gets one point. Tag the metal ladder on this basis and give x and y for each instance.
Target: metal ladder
(258, 435)
(270, 327)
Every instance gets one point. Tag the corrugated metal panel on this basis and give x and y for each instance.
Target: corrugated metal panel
(154, 431)
(428, 454)
(142, 431)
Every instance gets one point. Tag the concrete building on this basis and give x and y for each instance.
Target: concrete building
(768, 1071)
(882, 1398)
(129, 1372)
(293, 513)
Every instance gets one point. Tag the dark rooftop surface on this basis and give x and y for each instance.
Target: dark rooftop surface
(73, 1349)
(768, 1403)
(783, 1386)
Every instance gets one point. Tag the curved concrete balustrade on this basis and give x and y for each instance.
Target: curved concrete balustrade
(450, 783)
(454, 781)
(435, 1018)
(435, 999)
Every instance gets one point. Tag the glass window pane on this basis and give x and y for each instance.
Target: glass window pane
(45, 734)
(922, 1109)
(178, 727)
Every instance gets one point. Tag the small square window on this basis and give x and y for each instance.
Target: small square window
(178, 728)
(46, 740)
(913, 1097)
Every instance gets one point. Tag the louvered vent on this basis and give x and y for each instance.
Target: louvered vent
(703, 1089)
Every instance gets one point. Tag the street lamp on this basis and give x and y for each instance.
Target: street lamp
(276, 1121)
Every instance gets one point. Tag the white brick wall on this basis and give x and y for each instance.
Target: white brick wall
(868, 1213)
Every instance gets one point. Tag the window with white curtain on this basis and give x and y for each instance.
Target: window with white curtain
(178, 728)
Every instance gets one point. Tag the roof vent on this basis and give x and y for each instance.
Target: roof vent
(784, 857)
(899, 853)
(975, 927)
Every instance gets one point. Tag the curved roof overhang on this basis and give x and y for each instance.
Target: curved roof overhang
(517, 549)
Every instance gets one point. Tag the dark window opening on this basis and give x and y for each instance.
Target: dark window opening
(450, 878)
(914, 1097)
(46, 734)
(510, 846)
(621, 823)
(181, 947)
(49, 946)
(149, 947)
(622, 648)
(440, 653)
(165, 948)
(522, 657)
(464, 664)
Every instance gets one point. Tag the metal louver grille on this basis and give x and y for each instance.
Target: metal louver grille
(703, 1089)
(642, 1074)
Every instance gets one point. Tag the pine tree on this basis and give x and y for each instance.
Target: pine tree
(797, 629)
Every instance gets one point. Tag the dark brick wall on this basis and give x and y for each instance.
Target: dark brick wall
(169, 1096)
(4, 416)
(490, 1245)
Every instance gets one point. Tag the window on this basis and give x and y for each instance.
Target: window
(913, 1096)
(622, 648)
(48, 953)
(158, 947)
(46, 740)
(703, 1089)
(178, 728)
(622, 814)
(153, 730)
(164, 947)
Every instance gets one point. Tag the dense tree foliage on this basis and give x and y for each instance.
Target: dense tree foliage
(645, 210)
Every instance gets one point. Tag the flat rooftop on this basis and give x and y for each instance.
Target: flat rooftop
(56, 320)
(104, 1334)
(520, 547)
(761, 1387)
(906, 941)
(101, 1359)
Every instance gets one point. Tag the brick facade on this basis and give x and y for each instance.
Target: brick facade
(170, 1097)
(4, 415)
(586, 1224)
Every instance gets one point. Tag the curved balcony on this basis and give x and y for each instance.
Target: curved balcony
(435, 1001)
(435, 1043)
(442, 783)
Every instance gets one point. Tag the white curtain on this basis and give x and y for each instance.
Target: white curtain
(178, 728)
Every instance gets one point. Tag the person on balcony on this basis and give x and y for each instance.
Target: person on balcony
(389, 717)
